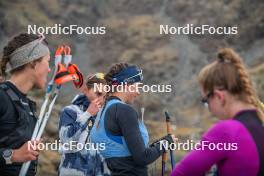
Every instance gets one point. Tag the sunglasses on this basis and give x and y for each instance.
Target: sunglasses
(137, 77)
(205, 99)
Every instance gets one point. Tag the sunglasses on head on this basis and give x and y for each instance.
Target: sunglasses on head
(97, 75)
(135, 78)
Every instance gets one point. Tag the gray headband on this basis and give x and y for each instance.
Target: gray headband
(28, 53)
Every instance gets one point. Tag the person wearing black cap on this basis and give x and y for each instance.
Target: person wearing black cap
(26, 57)
(118, 127)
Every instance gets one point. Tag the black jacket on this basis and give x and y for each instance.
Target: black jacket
(17, 122)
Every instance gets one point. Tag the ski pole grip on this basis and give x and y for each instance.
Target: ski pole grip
(168, 127)
(169, 131)
(164, 156)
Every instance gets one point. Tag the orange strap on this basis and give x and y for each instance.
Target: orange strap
(73, 69)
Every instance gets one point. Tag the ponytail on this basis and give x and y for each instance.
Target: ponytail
(3, 64)
(228, 72)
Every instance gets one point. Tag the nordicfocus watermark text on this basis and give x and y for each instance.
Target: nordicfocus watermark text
(183, 146)
(66, 30)
(202, 145)
(138, 87)
(66, 146)
(198, 30)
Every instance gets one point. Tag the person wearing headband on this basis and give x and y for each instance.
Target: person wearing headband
(76, 121)
(117, 125)
(26, 60)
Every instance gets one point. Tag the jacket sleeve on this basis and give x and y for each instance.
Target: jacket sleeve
(2, 160)
(127, 120)
(71, 125)
(201, 160)
(3, 110)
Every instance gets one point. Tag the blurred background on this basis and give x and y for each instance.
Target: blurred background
(132, 35)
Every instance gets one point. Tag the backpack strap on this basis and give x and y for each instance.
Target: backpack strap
(17, 100)
(254, 126)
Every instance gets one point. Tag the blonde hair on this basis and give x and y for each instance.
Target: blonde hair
(228, 72)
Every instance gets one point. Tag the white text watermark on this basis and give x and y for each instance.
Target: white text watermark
(201, 145)
(198, 30)
(58, 29)
(138, 87)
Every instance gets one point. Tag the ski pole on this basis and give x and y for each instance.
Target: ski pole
(155, 167)
(142, 114)
(67, 60)
(58, 58)
(168, 123)
(163, 163)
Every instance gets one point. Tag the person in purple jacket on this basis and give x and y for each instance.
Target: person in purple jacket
(229, 94)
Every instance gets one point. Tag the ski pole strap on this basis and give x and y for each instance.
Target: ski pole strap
(63, 75)
(74, 70)
(67, 55)
(57, 61)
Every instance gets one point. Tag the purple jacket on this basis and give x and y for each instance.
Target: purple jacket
(244, 161)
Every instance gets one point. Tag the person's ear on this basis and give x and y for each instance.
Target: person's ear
(33, 64)
(220, 95)
(126, 85)
(126, 88)
(84, 89)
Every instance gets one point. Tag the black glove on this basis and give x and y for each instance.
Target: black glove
(166, 138)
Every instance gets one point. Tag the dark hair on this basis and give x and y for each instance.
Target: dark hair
(1, 79)
(91, 80)
(15, 43)
(116, 68)
(228, 72)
